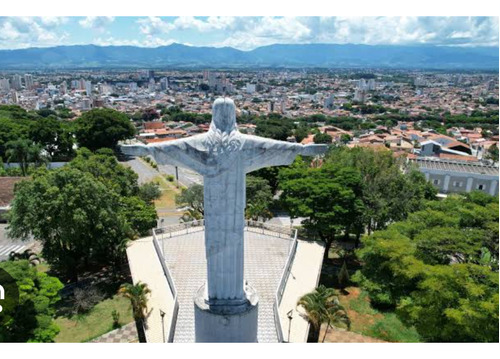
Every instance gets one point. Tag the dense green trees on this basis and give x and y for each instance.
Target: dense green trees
(439, 269)
(274, 126)
(83, 213)
(32, 320)
(48, 129)
(259, 198)
(101, 127)
(192, 198)
(329, 197)
(322, 138)
(388, 194)
(355, 189)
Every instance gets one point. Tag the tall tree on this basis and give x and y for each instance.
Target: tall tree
(388, 193)
(76, 217)
(100, 128)
(328, 197)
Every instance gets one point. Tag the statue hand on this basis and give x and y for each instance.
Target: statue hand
(134, 150)
(313, 150)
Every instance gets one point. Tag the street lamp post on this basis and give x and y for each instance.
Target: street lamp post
(290, 317)
(162, 314)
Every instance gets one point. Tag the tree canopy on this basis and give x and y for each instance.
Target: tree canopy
(83, 213)
(328, 197)
(102, 127)
(439, 269)
(32, 320)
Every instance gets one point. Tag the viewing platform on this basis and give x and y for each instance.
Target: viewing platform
(172, 262)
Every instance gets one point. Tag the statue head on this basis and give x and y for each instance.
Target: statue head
(223, 115)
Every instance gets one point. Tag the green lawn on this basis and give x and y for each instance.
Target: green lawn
(368, 321)
(82, 328)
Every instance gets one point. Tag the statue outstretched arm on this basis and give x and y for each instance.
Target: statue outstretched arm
(181, 152)
(262, 152)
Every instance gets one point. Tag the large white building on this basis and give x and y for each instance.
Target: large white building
(458, 176)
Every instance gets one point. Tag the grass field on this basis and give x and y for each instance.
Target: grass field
(368, 321)
(169, 191)
(83, 328)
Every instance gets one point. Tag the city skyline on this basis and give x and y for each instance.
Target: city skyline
(246, 33)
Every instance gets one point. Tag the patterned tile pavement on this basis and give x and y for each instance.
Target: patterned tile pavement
(125, 334)
(265, 257)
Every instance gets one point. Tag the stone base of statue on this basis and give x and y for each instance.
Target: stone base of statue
(226, 321)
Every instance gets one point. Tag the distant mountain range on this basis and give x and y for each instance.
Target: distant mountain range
(291, 56)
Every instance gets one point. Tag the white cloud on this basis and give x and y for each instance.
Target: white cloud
(463, 31)
(21, 32)
(153, 25)
(98, 23)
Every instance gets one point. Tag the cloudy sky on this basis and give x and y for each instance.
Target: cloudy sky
(246, 33)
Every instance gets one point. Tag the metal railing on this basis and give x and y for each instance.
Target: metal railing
(171, 284)
(281, 287)
(251, 226)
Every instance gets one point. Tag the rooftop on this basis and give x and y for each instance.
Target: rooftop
(455, 166)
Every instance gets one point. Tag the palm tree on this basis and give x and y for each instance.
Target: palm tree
(323, 306)
(137, 293)
(25, 152)
(18, 151)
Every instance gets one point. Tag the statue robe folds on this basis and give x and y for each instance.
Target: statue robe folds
(223, 159)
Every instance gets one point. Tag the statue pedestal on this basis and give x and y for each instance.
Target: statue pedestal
(226, 322)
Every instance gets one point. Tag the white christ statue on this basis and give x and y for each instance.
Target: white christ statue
(223, 156)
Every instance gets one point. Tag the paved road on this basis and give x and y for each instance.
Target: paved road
(147, 173)
(187, 177)
(8, 245)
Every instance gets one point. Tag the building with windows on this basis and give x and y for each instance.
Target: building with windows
(458, 176)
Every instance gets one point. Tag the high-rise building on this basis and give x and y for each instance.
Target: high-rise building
(151, 75)
(271, 107)
(88, 88)
(28, 81)
(4, 85)
(283, 104)
(152, 85)
(250, 88)
(361, 84)
(132, 86)
(86, 104)
(63, 88)
(371, 85)
(328, 102)
(15, 96)
(17, 82)
(359, 95)
(164, 83)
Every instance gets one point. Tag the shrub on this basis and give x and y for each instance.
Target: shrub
(85, 299)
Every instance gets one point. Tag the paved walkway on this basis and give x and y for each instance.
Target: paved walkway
(265, 257)
(125, 334)
(303, 278)
(145, 267)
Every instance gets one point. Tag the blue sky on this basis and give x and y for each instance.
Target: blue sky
(246, 33)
